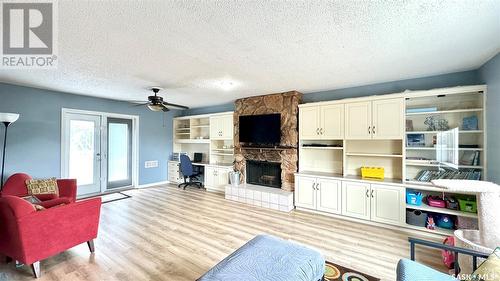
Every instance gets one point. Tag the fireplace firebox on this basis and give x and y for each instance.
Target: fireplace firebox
(263, 173)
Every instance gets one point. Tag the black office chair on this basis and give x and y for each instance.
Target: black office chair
(188, 173)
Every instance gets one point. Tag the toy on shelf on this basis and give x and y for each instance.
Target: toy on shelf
(430, 224)
(445, 221)
(468, 204)
(451, 203)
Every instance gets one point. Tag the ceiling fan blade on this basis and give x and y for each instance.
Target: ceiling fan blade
(165, 109)
(174, 106)
(139, 104)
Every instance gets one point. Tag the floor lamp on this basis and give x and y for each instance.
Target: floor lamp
(6, 119)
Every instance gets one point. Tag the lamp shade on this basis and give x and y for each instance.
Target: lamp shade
(8, 117)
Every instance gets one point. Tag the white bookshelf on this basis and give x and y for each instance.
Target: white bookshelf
(345, 141)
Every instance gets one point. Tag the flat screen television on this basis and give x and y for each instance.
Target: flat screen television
(260, 130)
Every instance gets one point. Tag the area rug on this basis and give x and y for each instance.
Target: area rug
(114, 197)
(335, 272)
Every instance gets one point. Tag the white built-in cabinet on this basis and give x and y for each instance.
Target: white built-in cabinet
(322, 122)
(216, 178)
(318, 194)
(221, 127)
(378, 119)
(356, 199)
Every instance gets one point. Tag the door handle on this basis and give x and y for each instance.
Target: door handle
(373, 130)
(321, 131)
(369, 131)
(367, 193)
(317, 131)
(371, 193)
(317, 186)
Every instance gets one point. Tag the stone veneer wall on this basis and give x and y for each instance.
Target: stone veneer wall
(287, 105)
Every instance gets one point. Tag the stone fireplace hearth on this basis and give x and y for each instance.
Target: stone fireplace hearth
(287, 152)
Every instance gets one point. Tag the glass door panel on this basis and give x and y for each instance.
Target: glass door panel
(119, 168)
(83, 151)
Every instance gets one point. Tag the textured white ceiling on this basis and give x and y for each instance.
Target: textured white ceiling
(117, 49)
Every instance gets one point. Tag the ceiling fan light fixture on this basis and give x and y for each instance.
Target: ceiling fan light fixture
(155, 107)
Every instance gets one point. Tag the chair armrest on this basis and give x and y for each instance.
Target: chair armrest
(67, 188)
(49, 232)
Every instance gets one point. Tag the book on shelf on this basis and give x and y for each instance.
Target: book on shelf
(470, 158)
(429, 175)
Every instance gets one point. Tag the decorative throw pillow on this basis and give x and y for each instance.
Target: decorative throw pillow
(489, 269)
(44, 189)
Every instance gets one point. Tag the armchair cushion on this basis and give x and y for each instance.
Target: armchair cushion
(54, 202)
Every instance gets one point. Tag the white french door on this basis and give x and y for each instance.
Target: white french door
(99, 150)
(82, 151)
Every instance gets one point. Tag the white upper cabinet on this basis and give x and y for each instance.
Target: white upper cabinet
(322, 122)
(378, 119)
(358, 120)
(388, 119)
(221, 127)
(309, 122)
(332, 121)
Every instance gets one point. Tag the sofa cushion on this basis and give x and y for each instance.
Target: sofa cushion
(43, 189)
(54, 202)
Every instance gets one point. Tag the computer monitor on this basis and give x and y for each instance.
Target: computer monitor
(198, 157)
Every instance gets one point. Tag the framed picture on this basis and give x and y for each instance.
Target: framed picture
(415, 140)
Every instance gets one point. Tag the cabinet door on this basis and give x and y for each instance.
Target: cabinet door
(305, 193)
(388, 119)
(309, 122)
(356, 200)
(329, 196)
(332, 121)
(387, 204)
(358, 120)
(227, 126)
(215, 127)
(210, 177)
(222, 178)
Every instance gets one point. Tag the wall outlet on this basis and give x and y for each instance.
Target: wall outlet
(151, 164)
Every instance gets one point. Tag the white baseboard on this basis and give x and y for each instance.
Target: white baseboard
(152, 184)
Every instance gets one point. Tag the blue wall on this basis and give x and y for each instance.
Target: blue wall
(34, 141)
(489, 74)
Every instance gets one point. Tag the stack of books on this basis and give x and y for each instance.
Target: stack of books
(466, 174)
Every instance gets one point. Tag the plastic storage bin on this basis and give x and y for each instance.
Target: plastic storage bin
(413, 198)
(372, 172)
(416, 217)
(467, 204)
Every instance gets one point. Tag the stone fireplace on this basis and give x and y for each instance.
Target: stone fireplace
(286, 154)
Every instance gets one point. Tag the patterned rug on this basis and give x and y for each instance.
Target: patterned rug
(334, 272)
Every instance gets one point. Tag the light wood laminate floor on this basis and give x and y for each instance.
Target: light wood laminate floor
(164, 233)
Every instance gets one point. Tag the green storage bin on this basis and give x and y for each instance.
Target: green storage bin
(467, 204)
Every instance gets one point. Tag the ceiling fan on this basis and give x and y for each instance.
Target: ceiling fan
(156, 103)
